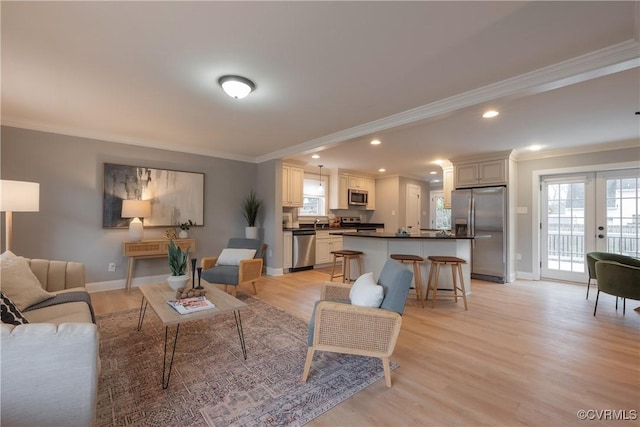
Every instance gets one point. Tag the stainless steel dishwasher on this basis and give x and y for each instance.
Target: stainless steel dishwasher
(304, 249)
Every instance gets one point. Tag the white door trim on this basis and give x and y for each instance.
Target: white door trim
(535, 202)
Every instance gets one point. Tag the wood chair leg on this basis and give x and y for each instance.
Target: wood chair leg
(429, 281)
(387, 371)
(346, 265)
(333, 270)
(234, 290)
(454, 275)
(435, 285)
(307, 364)
(255, 290)
(462, 288)
(417, 279)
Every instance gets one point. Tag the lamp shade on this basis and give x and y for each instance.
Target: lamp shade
(136, 209)
(19, 196)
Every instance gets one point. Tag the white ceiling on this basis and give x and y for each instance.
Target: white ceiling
(330, 76)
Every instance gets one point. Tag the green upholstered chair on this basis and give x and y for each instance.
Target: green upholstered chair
(593, 257)
(371, 331)
(247, 270)
(617, 275)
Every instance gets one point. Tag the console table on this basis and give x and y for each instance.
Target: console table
(151, 249)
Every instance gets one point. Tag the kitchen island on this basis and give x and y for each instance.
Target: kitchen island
(377, 248)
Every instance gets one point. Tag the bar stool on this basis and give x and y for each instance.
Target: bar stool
(347, 256)
(434, 273)
(415, 260)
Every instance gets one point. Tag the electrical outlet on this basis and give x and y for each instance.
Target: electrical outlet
(112, 266)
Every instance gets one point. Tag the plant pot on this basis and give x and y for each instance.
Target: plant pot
(176, 282)
(251, 232)
(183, 234)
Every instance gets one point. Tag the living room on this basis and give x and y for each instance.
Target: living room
(67, 159)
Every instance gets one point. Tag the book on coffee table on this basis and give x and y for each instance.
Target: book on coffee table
(191, 305)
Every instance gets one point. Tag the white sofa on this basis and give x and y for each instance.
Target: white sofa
(50, 366)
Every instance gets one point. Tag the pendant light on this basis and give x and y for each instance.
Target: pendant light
(320, 187)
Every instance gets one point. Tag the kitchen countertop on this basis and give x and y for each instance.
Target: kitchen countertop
(343, 227)
(423, 235)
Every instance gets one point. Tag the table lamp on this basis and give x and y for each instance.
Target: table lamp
(17, 196)
(136, 209)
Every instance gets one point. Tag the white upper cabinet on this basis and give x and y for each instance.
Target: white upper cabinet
(340, 184)
(292, 186)
(481, 173)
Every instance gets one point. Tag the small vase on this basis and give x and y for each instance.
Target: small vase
(183, 234)
(251, 232)
(176, 282)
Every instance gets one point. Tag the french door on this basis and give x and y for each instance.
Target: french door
(587, 212)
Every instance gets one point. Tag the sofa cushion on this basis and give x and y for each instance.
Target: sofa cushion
(10, 313)
(365, 292)
(71, 312)
(232, 256)
(20, 284)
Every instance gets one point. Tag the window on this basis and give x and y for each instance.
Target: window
(314, 196)
(440, 216)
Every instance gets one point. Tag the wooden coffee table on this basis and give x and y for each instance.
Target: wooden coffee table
(157, 296)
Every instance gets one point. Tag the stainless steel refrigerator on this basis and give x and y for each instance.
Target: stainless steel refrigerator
(483, 212)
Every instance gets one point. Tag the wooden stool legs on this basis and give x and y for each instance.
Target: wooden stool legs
(456, 273)
(346, 256)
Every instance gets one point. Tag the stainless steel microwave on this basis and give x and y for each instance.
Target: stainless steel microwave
(358, 197)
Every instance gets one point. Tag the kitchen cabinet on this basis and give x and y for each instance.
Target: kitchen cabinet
(338, 194)
(491, 172)
(287, 252)
(357, 182)
(326, 243)
(447, 185)
(370, 186)
(292, 186)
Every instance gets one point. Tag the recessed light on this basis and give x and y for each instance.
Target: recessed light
(535, 147)
(382, 170)
(315, 156)
(489, 114)
(438, 162)
(376, 142)
(436, 180)
(433, 173)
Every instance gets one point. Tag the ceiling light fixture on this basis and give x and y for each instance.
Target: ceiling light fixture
(315, 156)
(320, 189)
(376, 142)
(382, 170)
(433, 173)
(535, 147)
(490, 114)
(236, 86)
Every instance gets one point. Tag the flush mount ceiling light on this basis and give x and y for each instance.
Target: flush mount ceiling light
(490, 114)
(236, 86)
(376, 142)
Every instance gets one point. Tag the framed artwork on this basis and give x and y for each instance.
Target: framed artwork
(175, 196)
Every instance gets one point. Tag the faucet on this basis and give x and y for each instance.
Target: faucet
(315, 223)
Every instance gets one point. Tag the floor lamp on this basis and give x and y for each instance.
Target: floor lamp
(17, 196)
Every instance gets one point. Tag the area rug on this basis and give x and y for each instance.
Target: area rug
(211, 383)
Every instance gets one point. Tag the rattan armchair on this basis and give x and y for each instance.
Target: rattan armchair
(339, 327)
(248, 271)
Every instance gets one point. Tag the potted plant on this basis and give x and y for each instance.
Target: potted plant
(184, 228)
(250, 207)
(178, 266)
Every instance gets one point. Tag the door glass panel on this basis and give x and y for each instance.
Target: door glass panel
(565, 227)
(622, 215)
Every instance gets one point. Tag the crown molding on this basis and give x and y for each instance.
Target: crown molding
(583, 149)
(118, 139)
(609, 60)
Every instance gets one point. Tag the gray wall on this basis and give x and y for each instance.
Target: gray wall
(391, 202)
(69, 223)
(526, 168)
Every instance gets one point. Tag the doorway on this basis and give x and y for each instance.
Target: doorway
(581, 213)
(413, 208)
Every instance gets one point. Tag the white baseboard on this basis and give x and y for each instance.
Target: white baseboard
(274, 271)
(525, 275)
(121, 284)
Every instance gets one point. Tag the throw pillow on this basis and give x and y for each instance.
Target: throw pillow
(10, 313)
(366, 292)
(231, 256)
(20, 284)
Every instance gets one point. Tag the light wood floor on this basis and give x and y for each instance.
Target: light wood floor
(525, 354)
